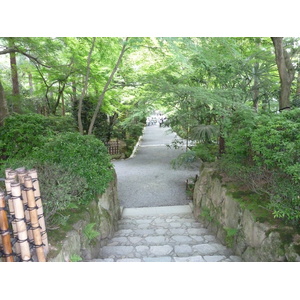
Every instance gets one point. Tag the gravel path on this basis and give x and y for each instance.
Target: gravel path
(148, 179)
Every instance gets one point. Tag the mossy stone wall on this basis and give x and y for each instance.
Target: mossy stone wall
(95, 226)
(240, 227)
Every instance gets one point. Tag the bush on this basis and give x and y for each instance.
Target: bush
(276, 145)
(84, 155)
(263, 152)
(21, 134)
(61, 189)
(60, 124)
(72, 169)
(206, 152)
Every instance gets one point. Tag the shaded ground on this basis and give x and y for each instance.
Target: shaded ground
(148, 179)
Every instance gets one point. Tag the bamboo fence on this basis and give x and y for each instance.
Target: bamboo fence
(23, 235)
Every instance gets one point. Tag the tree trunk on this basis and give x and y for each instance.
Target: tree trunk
(30, 84)
(74, 92)
(61, 88)
(298, 86)
(14, 79)
(3, 105)
(286, 72)
(63, 112)
(221, 145)
(100, 100)
(80, 126)
(255, 88)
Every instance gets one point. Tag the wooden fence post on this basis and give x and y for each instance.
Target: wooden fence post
(20, 221)
(4, 228)
(35, 226)
(12, 214)
(37, 194)
(21, 174)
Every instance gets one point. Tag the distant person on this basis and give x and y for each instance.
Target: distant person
(160, 121)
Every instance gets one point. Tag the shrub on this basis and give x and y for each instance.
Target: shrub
(206, 152)
(72, 169)
(84, 155)
(265, 155)
(276, 145)
(60, 188)
(60, 124)
(21, 134)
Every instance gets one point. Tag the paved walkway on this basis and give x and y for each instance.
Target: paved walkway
(157, 222)
(148, 178)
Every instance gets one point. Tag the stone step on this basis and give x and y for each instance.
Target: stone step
(207, 258)
(164, 250)
(158, 210)
(162, 225)
(163, 234)
(159, 239)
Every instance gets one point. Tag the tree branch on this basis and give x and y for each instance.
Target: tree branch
(16, 50)
(106, 87)
(80, 126)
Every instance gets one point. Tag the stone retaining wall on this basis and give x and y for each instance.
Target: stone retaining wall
(237, 227)
(80, 241)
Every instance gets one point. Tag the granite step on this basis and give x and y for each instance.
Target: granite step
(163, 234)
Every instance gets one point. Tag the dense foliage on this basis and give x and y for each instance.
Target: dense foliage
(21, 134)
(235, 98)
(262, 152)
(73, 169)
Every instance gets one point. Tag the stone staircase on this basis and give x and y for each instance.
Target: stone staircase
(163, 234)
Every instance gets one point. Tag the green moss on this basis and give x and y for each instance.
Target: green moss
(230, 234)
(255, 203)
(75, 258)
(205, 213)
(57, 235)
(90, 233)
(286, 234)
(297, 249)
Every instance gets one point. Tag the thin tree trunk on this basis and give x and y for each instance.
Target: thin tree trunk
(80, 126)
(298, 86)
(63, 113)
(30, 83)
(61, 89)
(3, 105)
(14, 78)
(74, 92)
(286, 73)
(255, 88)
(100, 100)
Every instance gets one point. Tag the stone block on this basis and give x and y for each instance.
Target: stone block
(182, 239)
(116, 251)
(204, 249)
(161, 250)
(160, 239)
(214, 258)
(157, 259)
(183, 250)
